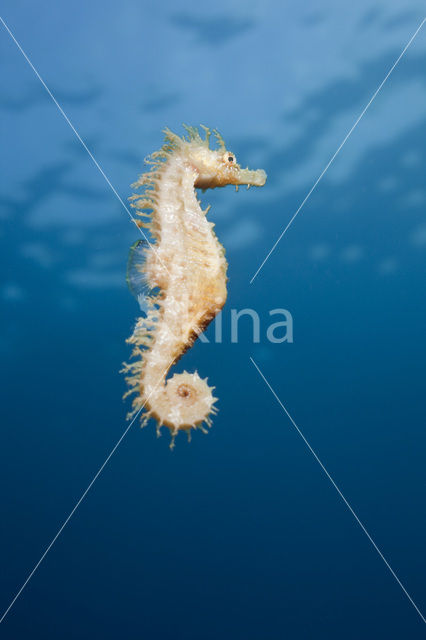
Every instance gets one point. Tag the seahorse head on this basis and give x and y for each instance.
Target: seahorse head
(214, 167)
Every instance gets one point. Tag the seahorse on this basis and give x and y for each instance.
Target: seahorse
(184, 269)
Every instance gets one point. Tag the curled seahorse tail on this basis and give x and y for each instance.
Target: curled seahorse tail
(184, 402)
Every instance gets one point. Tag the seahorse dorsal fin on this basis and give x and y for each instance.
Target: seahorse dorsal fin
(135, 276)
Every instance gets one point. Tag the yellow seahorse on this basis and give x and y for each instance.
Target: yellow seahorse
(185, 270)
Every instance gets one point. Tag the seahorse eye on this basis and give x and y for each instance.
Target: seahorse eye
(229, 157)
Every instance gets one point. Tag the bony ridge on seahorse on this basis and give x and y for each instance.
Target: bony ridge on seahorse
(185, 271)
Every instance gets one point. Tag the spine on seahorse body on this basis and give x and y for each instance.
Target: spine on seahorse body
(188, 266)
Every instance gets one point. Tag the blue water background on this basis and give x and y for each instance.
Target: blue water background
(239, 535)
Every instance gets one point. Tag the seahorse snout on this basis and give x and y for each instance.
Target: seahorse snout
(255, 178)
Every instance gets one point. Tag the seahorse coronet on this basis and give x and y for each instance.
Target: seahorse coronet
(185, 265)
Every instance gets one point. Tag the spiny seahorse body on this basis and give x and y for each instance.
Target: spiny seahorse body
(187, 266)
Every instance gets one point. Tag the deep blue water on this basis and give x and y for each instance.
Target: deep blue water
(240, 534)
